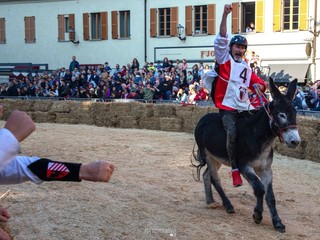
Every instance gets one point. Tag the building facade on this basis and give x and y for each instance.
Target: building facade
(285, 35)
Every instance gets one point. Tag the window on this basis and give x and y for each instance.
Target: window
(66, 28)
(30, 31)
(124, 24)
(248, 17)
(95, 26)
(290, 15)
(163, 21)
(123, 29)
(2, 30)
(200, 20)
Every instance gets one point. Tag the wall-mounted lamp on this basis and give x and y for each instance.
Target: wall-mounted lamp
(180, 29)
(72, 36)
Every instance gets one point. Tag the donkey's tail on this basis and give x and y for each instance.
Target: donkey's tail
(199, 156)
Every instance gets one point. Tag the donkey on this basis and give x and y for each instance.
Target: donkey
(255, 137)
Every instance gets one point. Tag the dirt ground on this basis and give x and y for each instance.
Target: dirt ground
(152, 194)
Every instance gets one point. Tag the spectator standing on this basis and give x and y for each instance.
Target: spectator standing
(135, 64)
(74, 64)
(147, 92)
(107, 67)
(184, 67)
(165, 64)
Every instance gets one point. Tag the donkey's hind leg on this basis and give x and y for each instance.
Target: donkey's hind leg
(213, 167)
(208, 189)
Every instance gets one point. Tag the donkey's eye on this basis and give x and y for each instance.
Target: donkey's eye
(282, 116)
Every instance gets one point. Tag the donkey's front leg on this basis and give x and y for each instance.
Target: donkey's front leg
(266, 178)
(258, 190)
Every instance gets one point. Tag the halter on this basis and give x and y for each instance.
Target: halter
(280, 130)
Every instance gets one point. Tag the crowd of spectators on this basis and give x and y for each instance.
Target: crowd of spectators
(166, 80)
(308, 97)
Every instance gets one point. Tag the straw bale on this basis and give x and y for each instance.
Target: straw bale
(152, 123)
(128, 122)
(43, 117)
(162, 110)
(62, 106)
(42, 106)
(21, 105)
(171, 124)
(66, 118)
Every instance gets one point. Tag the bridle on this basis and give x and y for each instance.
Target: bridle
(266, 107)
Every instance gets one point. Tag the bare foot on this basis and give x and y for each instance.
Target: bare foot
(100, 171)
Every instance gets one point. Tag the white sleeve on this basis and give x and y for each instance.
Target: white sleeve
(221, 49)
(17, 171)
(9, 147)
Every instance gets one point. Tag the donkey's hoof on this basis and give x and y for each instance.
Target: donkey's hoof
(257, 217)
(230, 209)
(280, 227)
(213, 205)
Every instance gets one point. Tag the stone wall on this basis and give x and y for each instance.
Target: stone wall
(163, 117)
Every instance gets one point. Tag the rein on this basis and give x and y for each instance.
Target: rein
(280, 130)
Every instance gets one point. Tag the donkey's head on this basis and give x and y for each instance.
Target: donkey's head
(283, 114)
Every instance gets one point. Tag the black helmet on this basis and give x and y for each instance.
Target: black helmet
(238, 39)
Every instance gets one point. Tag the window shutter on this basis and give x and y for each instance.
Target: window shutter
(104, 25)
(259, 22)
(188, 29)
(277, 15)
(303, 15)
(33, 29)
(29, 24)
(211, 19)
(60, 28)
(114, 19)
(153, 22)
(72, 35)
(173, 21)
(235, 18)
(86, 35)
(2, 30)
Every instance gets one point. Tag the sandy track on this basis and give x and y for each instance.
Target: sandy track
(152, 194)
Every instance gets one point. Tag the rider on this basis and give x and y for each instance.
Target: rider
(231, 89)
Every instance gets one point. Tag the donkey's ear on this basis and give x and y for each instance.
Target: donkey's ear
(292, 88)
(275, 93)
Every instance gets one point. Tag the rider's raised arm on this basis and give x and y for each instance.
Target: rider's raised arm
(223, 24)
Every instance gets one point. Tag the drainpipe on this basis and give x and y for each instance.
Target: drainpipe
(145, 30)
(314, 42)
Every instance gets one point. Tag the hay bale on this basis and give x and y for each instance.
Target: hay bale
(151, 123)
(66, 118)
(62, 106)
(128, 122)
(171, 124)
(42, 106)
(43, 117)
(164, 110)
